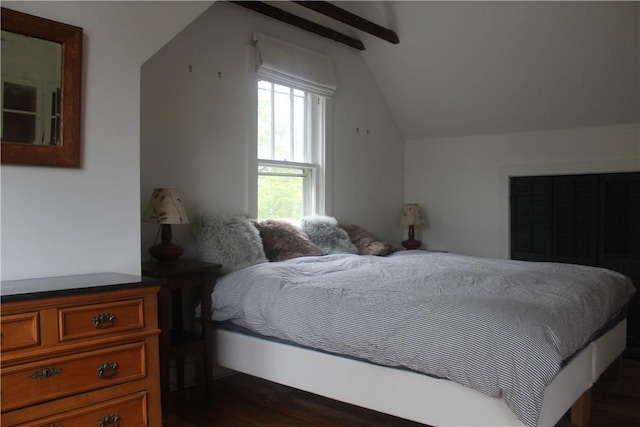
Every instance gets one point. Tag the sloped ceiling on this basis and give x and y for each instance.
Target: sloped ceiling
(466, 68)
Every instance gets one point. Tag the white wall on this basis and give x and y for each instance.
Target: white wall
(198, 120)
(76, 221)
(463, 182)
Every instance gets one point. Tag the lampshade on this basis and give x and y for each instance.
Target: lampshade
(165, 207)
(412, 215)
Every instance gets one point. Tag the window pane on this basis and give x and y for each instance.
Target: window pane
(282, 115)
(264, 85)
(18, 127)
(264, 122)
(299, 134)
(20, 97)
(282, 89)
(280, 197)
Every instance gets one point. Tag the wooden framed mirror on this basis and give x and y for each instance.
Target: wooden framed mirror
(41, 91)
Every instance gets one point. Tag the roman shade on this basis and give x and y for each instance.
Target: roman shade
(282, 62)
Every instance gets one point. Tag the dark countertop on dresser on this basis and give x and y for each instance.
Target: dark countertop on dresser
(25, 289)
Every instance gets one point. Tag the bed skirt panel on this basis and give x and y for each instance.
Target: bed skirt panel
(570, 383)
(608, 348)
(400, 392)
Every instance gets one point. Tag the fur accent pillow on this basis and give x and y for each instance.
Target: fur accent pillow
(283, 240)
(230, 240)
(325, 233)
(367, 243)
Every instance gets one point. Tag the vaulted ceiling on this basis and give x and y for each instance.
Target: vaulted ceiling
(466, 68)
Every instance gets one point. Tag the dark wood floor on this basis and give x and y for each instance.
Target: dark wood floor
(241, 400)
(616, 402)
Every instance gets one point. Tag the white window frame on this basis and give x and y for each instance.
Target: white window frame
(317, 188)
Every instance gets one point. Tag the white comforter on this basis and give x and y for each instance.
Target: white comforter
(500, 327)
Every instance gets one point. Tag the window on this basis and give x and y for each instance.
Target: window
(290, 151)
(19, 111)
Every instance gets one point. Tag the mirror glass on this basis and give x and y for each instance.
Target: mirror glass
(41, 79)
(31, 83)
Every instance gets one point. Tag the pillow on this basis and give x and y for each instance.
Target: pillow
(367, 243)
(325, 233)
(230, 240)
(283, 240)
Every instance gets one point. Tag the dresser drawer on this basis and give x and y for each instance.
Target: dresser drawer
(19, 331)
(100, 319)
(42, 381)
(127, 411)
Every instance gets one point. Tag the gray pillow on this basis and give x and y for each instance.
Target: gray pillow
(230, 240)
(325, 233)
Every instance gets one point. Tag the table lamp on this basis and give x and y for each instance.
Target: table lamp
(411, 215)
(165, 208)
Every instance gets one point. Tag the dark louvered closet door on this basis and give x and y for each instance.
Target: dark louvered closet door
(591, 219)
(575, 225)
(531, 218)
(620, 237)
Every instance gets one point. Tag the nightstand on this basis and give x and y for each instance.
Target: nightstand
(175, 341)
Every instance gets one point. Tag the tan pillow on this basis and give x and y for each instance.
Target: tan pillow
(367, 243)
(284, 240)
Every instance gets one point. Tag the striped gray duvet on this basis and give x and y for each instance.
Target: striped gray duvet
(500, 327)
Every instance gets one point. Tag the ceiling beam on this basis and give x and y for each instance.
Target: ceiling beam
(289, 18)
(350, 19)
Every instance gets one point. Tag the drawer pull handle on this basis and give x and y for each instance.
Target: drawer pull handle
(108, 370)
(56, 425)
(109, 420)
(104, 320)
(45, 373)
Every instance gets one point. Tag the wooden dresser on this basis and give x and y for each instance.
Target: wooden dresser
(80, 351)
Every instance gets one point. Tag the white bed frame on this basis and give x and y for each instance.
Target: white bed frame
(411, 395)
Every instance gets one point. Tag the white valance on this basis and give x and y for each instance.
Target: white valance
(286, 63)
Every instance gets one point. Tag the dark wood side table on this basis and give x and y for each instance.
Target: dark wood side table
(175, 341)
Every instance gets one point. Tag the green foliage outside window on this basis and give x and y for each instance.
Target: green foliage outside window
(280, 197)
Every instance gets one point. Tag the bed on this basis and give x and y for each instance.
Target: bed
(421, 335)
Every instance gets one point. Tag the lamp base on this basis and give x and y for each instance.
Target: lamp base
(411, 243)
(166, 253)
